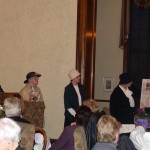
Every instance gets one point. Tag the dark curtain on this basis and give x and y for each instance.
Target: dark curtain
(125, 26)
(142, 3)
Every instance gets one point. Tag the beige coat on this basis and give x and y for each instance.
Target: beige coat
(30, 90)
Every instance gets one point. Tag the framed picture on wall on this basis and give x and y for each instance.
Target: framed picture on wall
(108, 84)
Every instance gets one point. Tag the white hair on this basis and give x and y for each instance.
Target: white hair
(9, 130)
(12, 107)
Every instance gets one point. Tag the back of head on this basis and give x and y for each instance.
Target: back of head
(9, 130)
(82, 115)
(108, 129)
(12, 106)
(92, 104)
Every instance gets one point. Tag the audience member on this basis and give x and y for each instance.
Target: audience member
(1, 89)
(122, 103)
(12, 110)
(108, 133)
(91, 130)
(125, 143)
(2, 113)
(9, 134)
(87, 133)
(66, 139)
(94, 106)
(80, 142)
(140, 137)
(74, 95)
(31, 92)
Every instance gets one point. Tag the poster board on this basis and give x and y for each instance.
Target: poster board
(145, 93)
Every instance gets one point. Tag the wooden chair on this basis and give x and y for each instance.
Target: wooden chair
(42, 131)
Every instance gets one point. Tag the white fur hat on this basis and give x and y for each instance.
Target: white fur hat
(73, 73)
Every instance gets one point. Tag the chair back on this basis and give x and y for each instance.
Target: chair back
(42, 131)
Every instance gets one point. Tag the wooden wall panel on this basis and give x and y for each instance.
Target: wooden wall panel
(86, 38)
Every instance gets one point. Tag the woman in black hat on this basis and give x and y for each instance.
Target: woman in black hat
(122, 102)
(31, 92)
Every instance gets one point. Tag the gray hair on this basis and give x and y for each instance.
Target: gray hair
(9, 130)
(12, 107)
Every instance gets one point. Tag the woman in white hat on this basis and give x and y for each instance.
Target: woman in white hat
(74, 95)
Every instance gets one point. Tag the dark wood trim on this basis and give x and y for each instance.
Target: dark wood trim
(86, 41)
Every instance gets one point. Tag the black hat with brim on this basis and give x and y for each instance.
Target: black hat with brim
(31, 75)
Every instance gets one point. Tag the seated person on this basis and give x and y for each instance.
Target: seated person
(66, 139)
(139, 136)
(9, 134)
(1, 90)
(12, 110)
(2, 113)
(91, 130)
(31, 92)
(87, 133)
(125, 143)
(94, 106)
(108, 133)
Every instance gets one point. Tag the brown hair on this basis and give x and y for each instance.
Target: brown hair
(92, 104)
(82, 115)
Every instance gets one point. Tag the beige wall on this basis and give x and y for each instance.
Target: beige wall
(39, 35)
(109, 57)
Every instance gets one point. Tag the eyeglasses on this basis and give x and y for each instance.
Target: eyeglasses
(35, 78)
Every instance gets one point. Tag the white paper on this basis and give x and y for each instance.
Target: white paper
(145, 93)
(127, 128)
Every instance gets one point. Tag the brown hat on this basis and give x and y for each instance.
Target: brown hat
(31, 75)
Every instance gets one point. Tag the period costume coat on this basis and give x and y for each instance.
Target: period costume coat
(71, 101)
(28, 89)
(120, 107)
